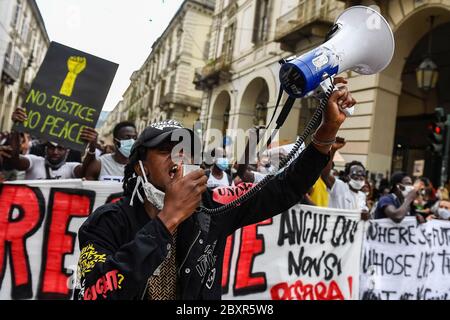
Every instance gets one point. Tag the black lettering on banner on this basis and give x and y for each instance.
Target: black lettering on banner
(445, 262)
(379, 295)
(344, 230)
(399, 265)
(306, 265)
(301, 227)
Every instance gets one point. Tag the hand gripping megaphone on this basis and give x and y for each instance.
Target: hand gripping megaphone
(362, 42)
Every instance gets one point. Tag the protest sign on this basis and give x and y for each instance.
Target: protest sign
(67, 95)
(306, 253)
(406, 261)
(39, 222)
(303, 253)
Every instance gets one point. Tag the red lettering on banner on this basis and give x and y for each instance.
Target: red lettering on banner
(252, 245)
(301, 291)
(227, 263)
(107, 283)
(64, 204)
(224, 195)
(14, 232)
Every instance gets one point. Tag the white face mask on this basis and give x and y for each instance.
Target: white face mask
(407, 190)
(444, 213)
(356, 184)
(153, 194)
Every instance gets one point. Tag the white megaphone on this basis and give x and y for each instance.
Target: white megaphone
(362, 41)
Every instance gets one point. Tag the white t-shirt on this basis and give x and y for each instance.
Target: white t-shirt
(341, 197)
(110, 169)
(213, 182)
(36, 171)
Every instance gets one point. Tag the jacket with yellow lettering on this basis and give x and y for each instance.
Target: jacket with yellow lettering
(121, 247)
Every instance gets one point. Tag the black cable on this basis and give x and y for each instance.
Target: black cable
(312, 125)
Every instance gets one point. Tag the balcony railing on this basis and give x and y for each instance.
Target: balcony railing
(181, 99)
(300, 21)
(213, 73)
(10, 73)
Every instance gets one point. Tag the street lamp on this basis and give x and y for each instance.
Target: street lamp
(427, 73)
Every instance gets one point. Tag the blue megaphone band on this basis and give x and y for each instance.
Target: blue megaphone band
(304, 74)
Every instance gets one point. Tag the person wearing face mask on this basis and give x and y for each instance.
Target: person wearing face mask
(398, 203)
(345, 195)
(110, 167)
(54, 164)
(218, 175)
(157, 244)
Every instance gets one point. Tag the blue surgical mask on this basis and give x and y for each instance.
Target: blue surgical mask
(125, 147)
(222, 164)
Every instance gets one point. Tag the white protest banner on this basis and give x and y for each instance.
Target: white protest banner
(39, 221)
(305, 253)
(406, 260)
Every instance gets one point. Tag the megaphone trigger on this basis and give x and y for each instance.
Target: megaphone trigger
(348, 111)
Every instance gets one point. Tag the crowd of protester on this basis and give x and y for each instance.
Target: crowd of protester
(23, 157)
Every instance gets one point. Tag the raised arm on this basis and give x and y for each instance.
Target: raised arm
(286, 189)
(326, 176)
(90, 168)
(397, 215)
(17, 161)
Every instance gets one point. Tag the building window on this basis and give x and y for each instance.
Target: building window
(17, 62)
(228, 42)
(16, 17)
(162, 91)
(261, 23)
(169, 56)
(25, 29)
(8, 53)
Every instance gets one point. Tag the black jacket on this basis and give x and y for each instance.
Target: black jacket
(121, 246)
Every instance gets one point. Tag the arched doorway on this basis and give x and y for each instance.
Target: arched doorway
(416, 109)
(371, 131)
(220, 113)
(253, 106)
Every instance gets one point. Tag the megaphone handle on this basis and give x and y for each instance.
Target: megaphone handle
(348, 111)
(329, 82)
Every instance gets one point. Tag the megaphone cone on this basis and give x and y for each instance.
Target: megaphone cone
(363, 42)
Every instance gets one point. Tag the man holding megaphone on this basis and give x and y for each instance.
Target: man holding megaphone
(139, 240)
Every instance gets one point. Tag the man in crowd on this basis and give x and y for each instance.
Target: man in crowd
(398, 203)
(345, 195)
(111, 166)
(158, 243)
(218, 174)
(54, 164)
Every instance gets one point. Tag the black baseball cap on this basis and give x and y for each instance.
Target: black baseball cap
(160, 132)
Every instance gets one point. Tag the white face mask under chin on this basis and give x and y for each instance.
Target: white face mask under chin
(153, 195)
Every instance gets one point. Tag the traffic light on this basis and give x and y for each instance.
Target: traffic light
(437, 132)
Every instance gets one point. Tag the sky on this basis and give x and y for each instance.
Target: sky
(116, 30)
